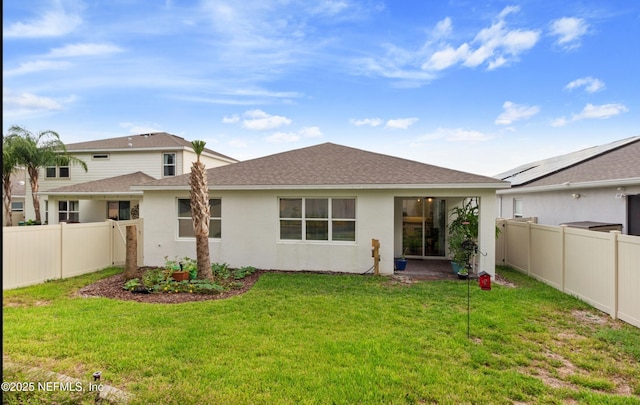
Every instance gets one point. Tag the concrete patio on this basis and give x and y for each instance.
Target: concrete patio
(428, 269)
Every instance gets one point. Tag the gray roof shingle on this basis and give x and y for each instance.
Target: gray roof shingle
(329, 164)
(156, 140)
(118, 184)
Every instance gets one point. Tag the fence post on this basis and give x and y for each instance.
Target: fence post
(63, 226)
(563, 267)
(529, 248)
(614, 273)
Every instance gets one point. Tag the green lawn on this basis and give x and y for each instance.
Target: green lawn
(325, 339)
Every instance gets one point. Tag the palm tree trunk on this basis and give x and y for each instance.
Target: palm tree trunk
(33, 180)
(6, 199)
(201, 215)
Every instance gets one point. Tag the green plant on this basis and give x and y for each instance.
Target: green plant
(132, 284)
(190, 265)
(172, 264)
(243, 272)
(463, 228)
(221, 270)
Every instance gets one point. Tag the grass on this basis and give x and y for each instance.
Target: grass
(318, 339)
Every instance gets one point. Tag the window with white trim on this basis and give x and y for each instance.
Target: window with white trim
(53, 172)
(318, 219)
(68, 211)
(517, 208)
(185, 220)
(17, 206)
(168, 164)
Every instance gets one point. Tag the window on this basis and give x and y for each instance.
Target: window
(185, 221)
(169, 164)
(318, 219)
(17, 206)
(53, 172)
(119, 210)
(68, 211)
(517, 208)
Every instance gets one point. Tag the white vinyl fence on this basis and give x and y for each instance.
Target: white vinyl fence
(600, 268)
(34, 254)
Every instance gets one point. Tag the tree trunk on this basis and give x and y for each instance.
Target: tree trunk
(33, 180)
(131, 263)
(6, 199)
(201, 215)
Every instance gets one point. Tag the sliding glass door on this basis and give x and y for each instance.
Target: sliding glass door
(423, 227)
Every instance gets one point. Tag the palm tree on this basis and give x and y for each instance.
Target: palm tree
(9, 166)
(34, 151)
(200, 212)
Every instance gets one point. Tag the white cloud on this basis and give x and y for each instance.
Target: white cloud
(401, 123)
(36, 66)
(590, 84)
(591, 111)
(569, 31)
(497, 45)
(52, 23)
(515, 112)
(311, 132)
(231, 120)
(306, 132)
(280, 137)
(259, 120)
(443, 28)
(456, 135)
(447, 57)
(372, 122)
(17, 105)
(84, 49)
(494, 46)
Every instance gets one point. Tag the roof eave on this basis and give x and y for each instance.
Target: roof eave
(494, 186)
(633, 181)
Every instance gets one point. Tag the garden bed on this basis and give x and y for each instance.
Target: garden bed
(111, 287)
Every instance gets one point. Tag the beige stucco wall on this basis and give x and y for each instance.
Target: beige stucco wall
(250, 230)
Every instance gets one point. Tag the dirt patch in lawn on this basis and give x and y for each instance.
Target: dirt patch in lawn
(111, 287)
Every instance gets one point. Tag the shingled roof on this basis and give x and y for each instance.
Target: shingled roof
(330, 165)
(112, 185)
(155, 140)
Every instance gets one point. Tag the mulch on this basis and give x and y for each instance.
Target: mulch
(111, 287)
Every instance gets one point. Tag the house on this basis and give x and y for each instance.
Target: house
(69, 194)
(599, 185)
(318, 208)
(18, 188)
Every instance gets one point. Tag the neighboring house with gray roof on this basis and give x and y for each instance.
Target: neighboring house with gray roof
(599, 184)
(70, 194)
(318, 208)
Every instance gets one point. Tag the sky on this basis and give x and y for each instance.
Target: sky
(477, 86)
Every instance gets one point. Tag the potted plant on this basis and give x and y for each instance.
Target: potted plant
(174, 266)
(401, 262)
(463, 235)
(191, 266)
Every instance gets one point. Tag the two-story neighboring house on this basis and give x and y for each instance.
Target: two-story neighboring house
(69, 194)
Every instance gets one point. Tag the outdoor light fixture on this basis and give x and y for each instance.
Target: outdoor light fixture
(575, 195)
